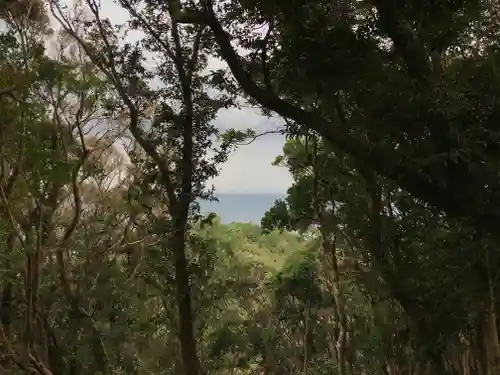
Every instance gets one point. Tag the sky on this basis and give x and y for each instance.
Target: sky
(249, 169)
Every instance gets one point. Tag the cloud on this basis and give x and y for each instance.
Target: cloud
(249, 169)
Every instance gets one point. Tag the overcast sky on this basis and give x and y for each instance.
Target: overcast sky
(249, 169)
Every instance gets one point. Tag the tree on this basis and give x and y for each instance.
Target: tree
(313, 203)
(46, 163)
(107, 265)
(380, 83)
(175, 138)
(419, 255)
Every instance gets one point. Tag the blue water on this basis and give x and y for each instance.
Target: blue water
(244, 208)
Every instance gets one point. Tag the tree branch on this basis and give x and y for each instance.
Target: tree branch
(408, 173)
(406, 41)
(109, 70)
(257, 136)
(386, 162)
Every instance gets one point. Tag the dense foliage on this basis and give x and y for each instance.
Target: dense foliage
(381, 259)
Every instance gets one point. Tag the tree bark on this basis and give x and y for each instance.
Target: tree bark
(186, 335)
(492, 341)
(330, 250)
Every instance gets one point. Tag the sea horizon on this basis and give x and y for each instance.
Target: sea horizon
(240, 207)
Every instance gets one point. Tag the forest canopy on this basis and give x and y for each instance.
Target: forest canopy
(381, 258)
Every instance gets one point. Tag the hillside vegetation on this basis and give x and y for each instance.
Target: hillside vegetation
(383, 255)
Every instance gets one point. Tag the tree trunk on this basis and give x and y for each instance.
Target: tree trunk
(190, 360)
(492, 341)
(330, 248)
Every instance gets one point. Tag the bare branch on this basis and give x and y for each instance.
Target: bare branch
(255, 137)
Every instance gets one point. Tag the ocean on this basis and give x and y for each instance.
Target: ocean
(242, 208)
